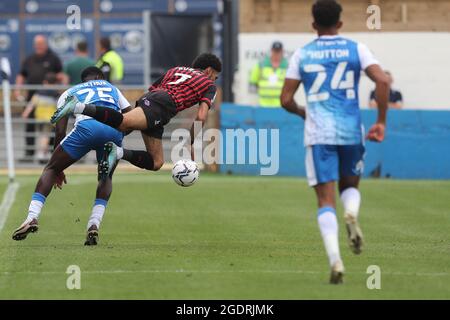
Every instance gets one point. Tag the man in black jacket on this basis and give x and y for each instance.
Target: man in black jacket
(33, 71)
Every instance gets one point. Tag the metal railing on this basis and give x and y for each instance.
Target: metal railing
(55, 87)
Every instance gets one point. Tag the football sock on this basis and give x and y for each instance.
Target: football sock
(119, 153)
(141, 159)
(36, 204)
(79, 108)
(351, 200)
(328, 226)
(105, 115)
(97, 213)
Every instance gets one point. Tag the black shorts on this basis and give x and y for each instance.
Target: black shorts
(158, 108)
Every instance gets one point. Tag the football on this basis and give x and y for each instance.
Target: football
(185, 172)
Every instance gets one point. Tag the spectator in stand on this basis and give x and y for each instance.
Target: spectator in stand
(33, 71)
(43, 104)
(267, 76)
(81, 61)
(110, 62)
(395, 96)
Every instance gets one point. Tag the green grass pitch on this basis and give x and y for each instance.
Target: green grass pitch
(226, 237)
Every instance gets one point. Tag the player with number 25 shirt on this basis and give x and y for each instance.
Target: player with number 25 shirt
(179, 88)
(86, 135)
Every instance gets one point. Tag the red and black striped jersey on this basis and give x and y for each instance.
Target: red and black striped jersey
(186, 86)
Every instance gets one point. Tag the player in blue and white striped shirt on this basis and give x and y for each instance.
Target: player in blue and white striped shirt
(86, 135)
(329, 68)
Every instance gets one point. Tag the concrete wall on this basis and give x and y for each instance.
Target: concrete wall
(419, 62)
(417, 144)
(295, 15)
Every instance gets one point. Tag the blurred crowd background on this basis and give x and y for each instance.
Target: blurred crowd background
(133, 42)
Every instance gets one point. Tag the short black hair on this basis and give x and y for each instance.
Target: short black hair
(82, 46)
(92, 73)
(206, 60)
(105, 43)
(326, 13)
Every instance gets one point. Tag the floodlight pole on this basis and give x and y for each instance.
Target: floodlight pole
(146, 18)
(5, 72)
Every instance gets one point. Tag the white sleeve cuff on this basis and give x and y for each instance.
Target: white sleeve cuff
(293, 71)
(366, 57)
(123, 102)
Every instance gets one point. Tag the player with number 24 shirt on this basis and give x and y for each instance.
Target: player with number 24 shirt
(329, 68)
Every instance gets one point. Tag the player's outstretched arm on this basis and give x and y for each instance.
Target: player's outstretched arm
(202, 116)
(287, 97)
(377, 75)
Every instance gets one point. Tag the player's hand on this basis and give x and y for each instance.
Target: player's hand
(302, 112)
(376, 132)
(60, 180)
(192, 152)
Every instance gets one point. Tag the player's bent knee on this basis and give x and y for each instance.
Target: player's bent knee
(157, 165)
(124, 127)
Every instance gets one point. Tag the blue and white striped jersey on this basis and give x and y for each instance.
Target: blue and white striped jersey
(330, 68)
(97, 92)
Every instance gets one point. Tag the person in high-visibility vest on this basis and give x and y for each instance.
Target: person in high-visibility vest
(110, 62)
(267, 76)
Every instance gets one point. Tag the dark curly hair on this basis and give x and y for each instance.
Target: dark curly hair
(326, 13)
(92, 73)
(206, 60)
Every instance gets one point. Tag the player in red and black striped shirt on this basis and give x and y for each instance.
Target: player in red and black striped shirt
(178, 89)
(186, 86)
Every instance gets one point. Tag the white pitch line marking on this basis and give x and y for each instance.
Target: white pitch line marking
(8, 200)
(420, 274)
